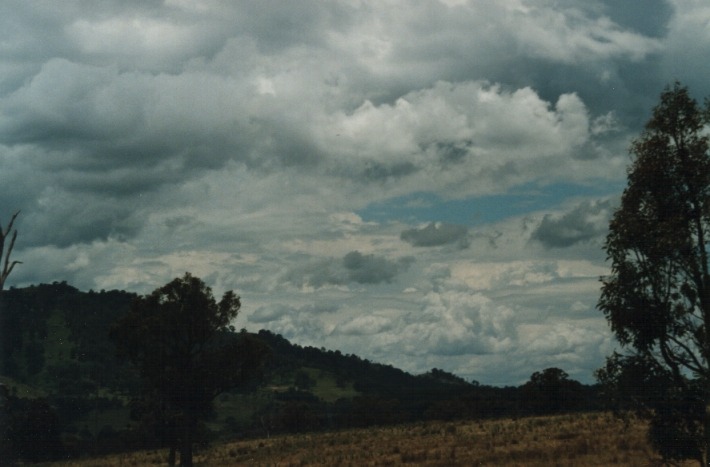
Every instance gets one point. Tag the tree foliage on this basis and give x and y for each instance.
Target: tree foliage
(30, 430)
(551, 391)
(35, 319)
(657, 297)
(187, 352)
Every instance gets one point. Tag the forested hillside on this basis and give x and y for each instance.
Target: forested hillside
(61, 377)
(53, 331)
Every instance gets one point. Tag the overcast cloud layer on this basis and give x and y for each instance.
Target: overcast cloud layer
(422, 183)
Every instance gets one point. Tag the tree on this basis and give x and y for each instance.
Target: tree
(30, 430)
(187, 352)
(7, 266)
(551, 391)
(657, 297)
(6, 323)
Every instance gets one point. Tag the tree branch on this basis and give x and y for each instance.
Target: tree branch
(7, 265)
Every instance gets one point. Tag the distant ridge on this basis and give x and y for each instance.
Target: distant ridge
(54, 349)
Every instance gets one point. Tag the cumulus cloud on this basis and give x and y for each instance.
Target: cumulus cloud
(436, 234)
(587, 221)
(264, 314)
(449, 324)
(369, 269)
(236, 140)
(364, 325)
(278, 311)
(354, 267)
(572, 35)
(194, 89)
(440, 138)
(460, 322)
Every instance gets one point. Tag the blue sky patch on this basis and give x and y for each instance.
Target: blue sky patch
(477, 210)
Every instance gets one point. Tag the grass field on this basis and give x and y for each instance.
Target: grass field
(570, 440)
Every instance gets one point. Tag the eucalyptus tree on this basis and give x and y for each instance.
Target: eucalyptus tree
(657, 297)
(187, 352)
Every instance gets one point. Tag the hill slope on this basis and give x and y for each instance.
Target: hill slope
(54, 347)
(593, 439)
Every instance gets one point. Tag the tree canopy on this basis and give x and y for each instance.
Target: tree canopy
(552, 391)
(657, 297)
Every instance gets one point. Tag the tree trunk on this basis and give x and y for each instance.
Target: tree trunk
(171, 428)
(186, 444)
(171, 455)
(705, 450)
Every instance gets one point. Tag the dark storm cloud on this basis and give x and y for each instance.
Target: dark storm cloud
(95, 136)
(378, 172)
(354, 267)
(63, 219)
(371, 269)
(587, 221)
(118, 112)
(450, 154)
(627, 15)
(437, 234)
(99, 118)
(283, 23)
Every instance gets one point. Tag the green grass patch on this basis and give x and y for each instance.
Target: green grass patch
(328, 388)
(22, 390)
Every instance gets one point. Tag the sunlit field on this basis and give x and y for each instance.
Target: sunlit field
(568, 440)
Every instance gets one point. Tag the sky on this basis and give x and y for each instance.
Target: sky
(425, 184)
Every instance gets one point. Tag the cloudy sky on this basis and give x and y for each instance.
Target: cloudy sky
(422, 183)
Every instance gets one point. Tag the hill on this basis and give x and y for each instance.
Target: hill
(56, 360)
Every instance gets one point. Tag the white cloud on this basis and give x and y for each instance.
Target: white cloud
(569, 35)
(364, 325)
(436, 234)
(687, 42)
(463, 138)
(238, 140)
(587, 221)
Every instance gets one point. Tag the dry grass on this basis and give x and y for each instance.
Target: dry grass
(570, 440)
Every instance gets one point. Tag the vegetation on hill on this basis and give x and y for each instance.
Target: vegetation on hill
(56, 353)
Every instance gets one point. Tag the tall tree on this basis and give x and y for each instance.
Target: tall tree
(187, 352)
(657, 297)
(6, 265)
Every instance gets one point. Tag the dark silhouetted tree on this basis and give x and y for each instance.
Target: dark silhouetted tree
(187, 352)
(30, 430)
(657, 297)
(551, 391)
(7, 265)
